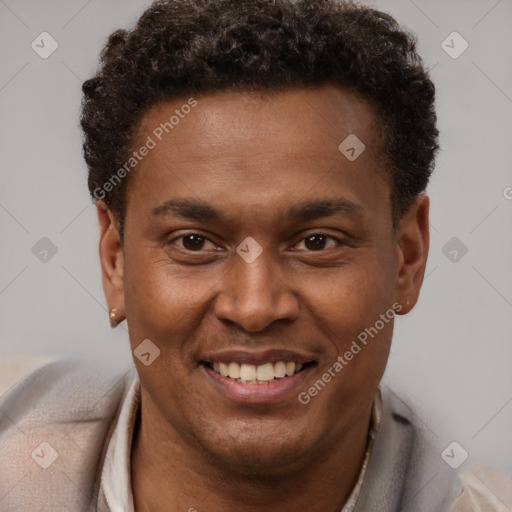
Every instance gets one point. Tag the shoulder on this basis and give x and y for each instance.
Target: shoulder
(405, 471)
(484, 489)
(430, 483)
(54, 424)
(410, 469)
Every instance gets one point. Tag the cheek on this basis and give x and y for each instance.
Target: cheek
(352, 295)
(162, 308)
(348, 308)
(160, 295)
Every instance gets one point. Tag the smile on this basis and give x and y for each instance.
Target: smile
(256, 374)
(263, 377)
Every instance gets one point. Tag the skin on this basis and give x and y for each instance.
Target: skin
(253, 157)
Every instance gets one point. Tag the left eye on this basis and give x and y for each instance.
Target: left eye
(317, 241)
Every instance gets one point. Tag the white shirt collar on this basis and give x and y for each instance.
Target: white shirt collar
(116, 475)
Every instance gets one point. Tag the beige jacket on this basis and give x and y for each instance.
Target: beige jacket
(56, 423)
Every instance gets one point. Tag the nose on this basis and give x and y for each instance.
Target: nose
(254, 295)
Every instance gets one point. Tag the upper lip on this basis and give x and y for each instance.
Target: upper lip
(256, 358)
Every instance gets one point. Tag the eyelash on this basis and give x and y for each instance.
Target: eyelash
(337, 240)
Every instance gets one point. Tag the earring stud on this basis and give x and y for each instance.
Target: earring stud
(112, 317)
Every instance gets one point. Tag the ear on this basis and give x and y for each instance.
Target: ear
(112, 262)
(412, 251)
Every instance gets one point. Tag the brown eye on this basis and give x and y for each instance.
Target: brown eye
(319, 242)
(315, 242)
(192, 242)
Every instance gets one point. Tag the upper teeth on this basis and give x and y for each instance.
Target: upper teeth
(255, 374)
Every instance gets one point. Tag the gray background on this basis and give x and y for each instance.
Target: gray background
(451, 357)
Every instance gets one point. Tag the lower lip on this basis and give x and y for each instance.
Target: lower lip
(274, 391)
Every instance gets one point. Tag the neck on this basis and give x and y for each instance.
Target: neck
(169, 470)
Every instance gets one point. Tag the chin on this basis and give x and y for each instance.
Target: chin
(256, 452)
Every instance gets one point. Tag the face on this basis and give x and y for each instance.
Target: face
(255, 255)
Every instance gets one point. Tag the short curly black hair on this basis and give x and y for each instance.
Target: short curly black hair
(182, 47)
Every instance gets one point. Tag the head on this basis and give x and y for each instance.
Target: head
(259, 170)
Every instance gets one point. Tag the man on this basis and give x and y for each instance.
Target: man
(259, 169)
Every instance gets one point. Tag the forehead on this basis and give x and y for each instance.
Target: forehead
(225, 119)
(236, 145)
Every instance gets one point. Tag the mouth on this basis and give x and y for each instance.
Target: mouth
(264, 377)
(259, 374)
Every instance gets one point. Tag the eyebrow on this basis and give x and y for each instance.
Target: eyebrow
(317, 209)
(304, 211)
